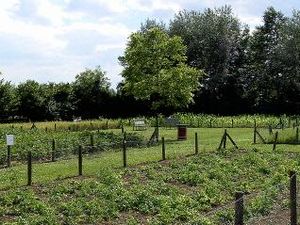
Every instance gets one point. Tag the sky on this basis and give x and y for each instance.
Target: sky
(54, 40)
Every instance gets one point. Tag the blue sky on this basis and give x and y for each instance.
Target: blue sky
(53, 40)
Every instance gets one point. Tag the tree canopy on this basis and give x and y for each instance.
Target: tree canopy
(155, 69)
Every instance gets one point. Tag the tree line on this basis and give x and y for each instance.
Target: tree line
(242, 71)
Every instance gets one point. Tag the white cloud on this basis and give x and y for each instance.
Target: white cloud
(105, 47)
(121, 6)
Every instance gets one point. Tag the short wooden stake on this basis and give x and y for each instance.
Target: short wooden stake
(232, 141)
(293, 197)
(80, 160)
(297, 135)
(232, 123)
(225, 139)
(124, 151)
(163, 149)
(55, 127)
(196, 144)
(275, 141)
(92, 140)
(239, 208)
(29, 169)
(254, 133)
(53, 150)
(8, 156)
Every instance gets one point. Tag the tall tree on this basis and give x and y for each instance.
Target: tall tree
(266, 69)
(288, 82)
(213, 40)
(155, 69)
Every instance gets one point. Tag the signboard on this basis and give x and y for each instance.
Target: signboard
(10, 139)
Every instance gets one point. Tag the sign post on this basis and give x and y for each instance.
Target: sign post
(9, 142)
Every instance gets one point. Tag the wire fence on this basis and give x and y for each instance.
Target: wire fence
(276, 205)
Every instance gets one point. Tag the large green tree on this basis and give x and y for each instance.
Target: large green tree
(155, 69)
(266, 66)
(215, 41)
(288, 81)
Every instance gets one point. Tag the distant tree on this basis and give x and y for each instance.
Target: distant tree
(31, 100)
(152, 23)
(155, 70)
(8, 99)
(61, 104)
(91, 92)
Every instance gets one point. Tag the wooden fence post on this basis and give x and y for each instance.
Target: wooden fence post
(92, 140)
(232, 123)
(239, 208)
(29, 169)
(124, 151)
(80, 160)
(163, 149)
(254, 134)
(55, 127)
(225, 139)
(293, 197)
(8, 156)
(275, 141)
(297, 135)
(196, 144)
(53, 150)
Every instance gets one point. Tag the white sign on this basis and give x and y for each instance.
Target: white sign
(10, 139)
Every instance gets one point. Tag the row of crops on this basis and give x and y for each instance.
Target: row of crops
(64, 143)
(195, 190)
(192, 120)
(242, 121)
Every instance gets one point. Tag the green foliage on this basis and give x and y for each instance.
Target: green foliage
(92, 93)
(158, 193)
(155, 69)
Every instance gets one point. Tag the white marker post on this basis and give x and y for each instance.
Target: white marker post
(9, 142)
